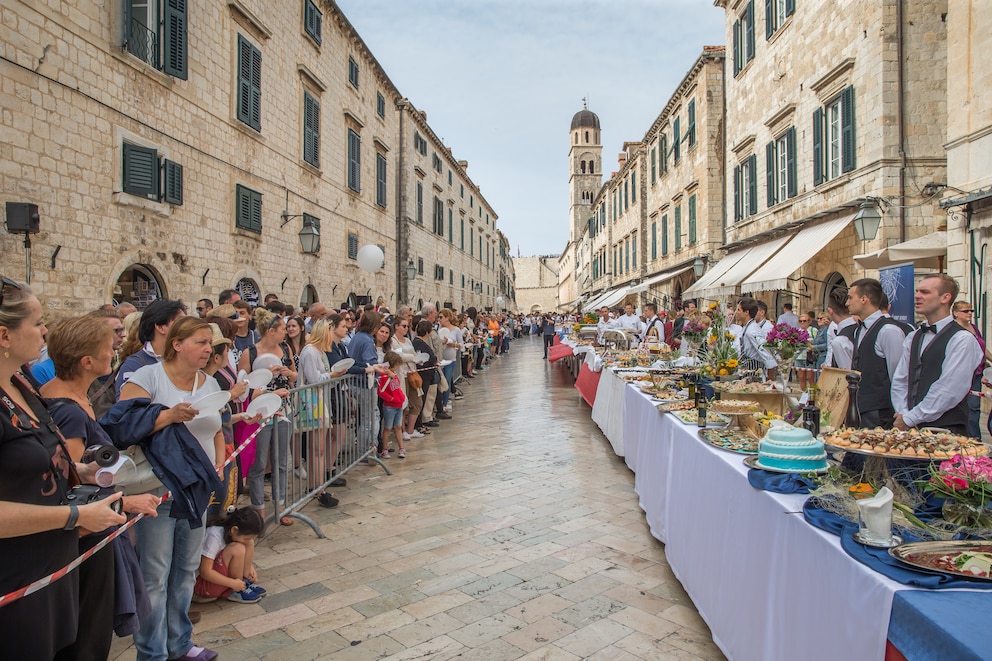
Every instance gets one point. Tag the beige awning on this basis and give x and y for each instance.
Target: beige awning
(804, 245)
(928, 251)
(753, 258)
(657, 280)
(608, 298)
(716, 272)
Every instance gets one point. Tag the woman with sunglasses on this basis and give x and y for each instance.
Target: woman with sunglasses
(38, 528)
(402, 345)
(804, 359)
(963, 313)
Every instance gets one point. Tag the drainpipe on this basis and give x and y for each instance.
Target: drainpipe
(901, 120)
(402, 242)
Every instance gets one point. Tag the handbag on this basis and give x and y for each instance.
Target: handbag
(145, 479)
(443, 385)
(414, 380)
(311, 413)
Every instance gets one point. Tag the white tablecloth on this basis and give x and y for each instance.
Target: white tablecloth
(608, 411)
(769, 585)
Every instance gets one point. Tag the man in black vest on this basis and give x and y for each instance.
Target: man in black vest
(931, 384)
(877, 342)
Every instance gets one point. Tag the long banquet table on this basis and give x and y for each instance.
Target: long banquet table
(768, 584)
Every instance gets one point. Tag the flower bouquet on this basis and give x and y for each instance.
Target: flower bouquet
(722, 358)
(966, 484)
(785, 342)
(694, 332)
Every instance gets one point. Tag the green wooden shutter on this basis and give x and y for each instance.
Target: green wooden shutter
(737, 193)
(249, 84)
(353, 251)
(676, 140)
(790, 161)
(256, 88)
(663, 153)
(451, 227)
(790, 7)
(633, 187)
(737, 47)
(678, 227)
(818, 165)
(354, 161)
(692, 220)
(140, 175)
(847, 129)
(654, 240)
(313, 21)
(173, 188)
(311, 130)
(749, 37)
(242, 207)
(691, 130)
(769, 19)
(654, 164)
(380, 180)
(256, 211)
(752, 164)
(770, 174)
(174, 38)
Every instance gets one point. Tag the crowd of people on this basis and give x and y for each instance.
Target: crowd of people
(131, 379)
(910, 376)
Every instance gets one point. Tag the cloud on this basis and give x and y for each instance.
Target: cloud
(500, 81)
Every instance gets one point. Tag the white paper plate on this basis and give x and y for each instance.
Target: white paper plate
(209, 403)
(265, 361)
(266, 404)
(445, 363)
(259, 379)
(444, 333)
(421, 357)
(242, 375)
(343, 365)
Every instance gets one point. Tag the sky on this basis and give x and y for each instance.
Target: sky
(501, 79)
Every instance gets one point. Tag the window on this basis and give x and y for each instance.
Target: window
(449, 177)
(692, 220)
(354, 161)
(664, 235)
(438, 216)
(420, 203)
(438, 272)
(312, 20)
(744, 38)
(249, 84)
(746, 188)
(160, 42)
(462, 190)
(248, 212)
(451, 227)
(419, 144)
(451, 277)
(311, 130)
(654, 240)
(353, 72)
(633, 250)
(663, 153)
(436, 160)
(833, 138)
(676, 141)
(654, 164)
(471, 201)
(776, 12)
(471, 242)
(143, 171)
(780, 159)
(690, 130)
(678, 227)
(420, 266)
(462, 240)
(380, 179)
(633, 187)
(352, 246)
(380, 105)
(463, 281)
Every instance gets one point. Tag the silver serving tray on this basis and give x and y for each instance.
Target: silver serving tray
(904, 553)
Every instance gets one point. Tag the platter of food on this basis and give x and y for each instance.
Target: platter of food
(691, 417)
(735, 406)
(912, 444)
(671, 407)
(731, 440)
(967, 559)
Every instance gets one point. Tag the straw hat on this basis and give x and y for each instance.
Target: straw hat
(218, 338)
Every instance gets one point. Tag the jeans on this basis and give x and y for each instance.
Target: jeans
(168, 553)
(256, 474)
(391, 417)
(975, 409)
(449, 375)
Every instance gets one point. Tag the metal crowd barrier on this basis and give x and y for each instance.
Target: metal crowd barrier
(333, 427)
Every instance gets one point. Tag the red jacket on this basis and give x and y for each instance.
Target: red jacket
(390, 392)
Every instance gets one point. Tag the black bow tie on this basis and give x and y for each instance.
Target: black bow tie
(862, 324)
(929, 327)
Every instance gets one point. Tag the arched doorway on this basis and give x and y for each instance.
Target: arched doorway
(308, 297)
(248, 290)
(139, 285)
(832, 282)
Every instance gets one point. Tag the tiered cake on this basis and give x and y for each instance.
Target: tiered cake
(791, 449)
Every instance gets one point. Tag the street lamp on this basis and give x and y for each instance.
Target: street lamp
(310, 239)
(867, 220)
(698, 266)
(411, 270)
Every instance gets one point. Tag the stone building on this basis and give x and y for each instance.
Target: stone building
(826, 109)
(537, 283)
(968, 196)
(182, 149)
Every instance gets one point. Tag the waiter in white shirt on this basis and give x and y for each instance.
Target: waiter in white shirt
(931, 384)
(653, 325)
(753, 338)
(630, 321)
(839, 348)
(604, 324)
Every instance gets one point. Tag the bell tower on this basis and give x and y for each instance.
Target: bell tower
(585, 163)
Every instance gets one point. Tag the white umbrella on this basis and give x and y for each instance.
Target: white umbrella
(928, 251)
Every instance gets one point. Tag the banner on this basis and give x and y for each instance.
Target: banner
(897, 283)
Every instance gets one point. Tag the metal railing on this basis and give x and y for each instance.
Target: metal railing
(333, 427)
(141, 42)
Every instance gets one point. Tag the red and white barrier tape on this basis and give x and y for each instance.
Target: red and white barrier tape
(980, 394)
(11, 597)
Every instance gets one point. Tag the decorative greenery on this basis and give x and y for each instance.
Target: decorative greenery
(967, 481)
(785, 341)
(721, 356)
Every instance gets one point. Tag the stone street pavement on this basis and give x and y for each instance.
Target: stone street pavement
(511, 532)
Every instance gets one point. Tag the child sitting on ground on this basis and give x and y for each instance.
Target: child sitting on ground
(393, 403)
(227, 553)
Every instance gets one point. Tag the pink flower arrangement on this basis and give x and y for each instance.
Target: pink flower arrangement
(963, 478)
(785, 341)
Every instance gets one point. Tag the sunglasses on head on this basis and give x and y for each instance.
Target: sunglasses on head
(7, 282)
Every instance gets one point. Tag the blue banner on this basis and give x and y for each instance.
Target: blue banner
(897, 283)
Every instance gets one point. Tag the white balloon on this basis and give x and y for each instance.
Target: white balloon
(371, 258)
(499, 300)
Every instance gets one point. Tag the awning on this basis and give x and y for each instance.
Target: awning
(593, 303)
(658, 279)
(805, 244)
(750, 261)
(928, 251)
(607, 298)
(701, 286)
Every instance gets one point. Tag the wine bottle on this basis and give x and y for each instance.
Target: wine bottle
(691, 385)
(700, 409)
(853, 419)
(811, 413)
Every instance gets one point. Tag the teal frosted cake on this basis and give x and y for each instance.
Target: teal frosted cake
(791, 449)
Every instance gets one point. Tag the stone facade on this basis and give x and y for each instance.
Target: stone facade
(537, 283)
(114, 98)
(968, 197)
(845, 65)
